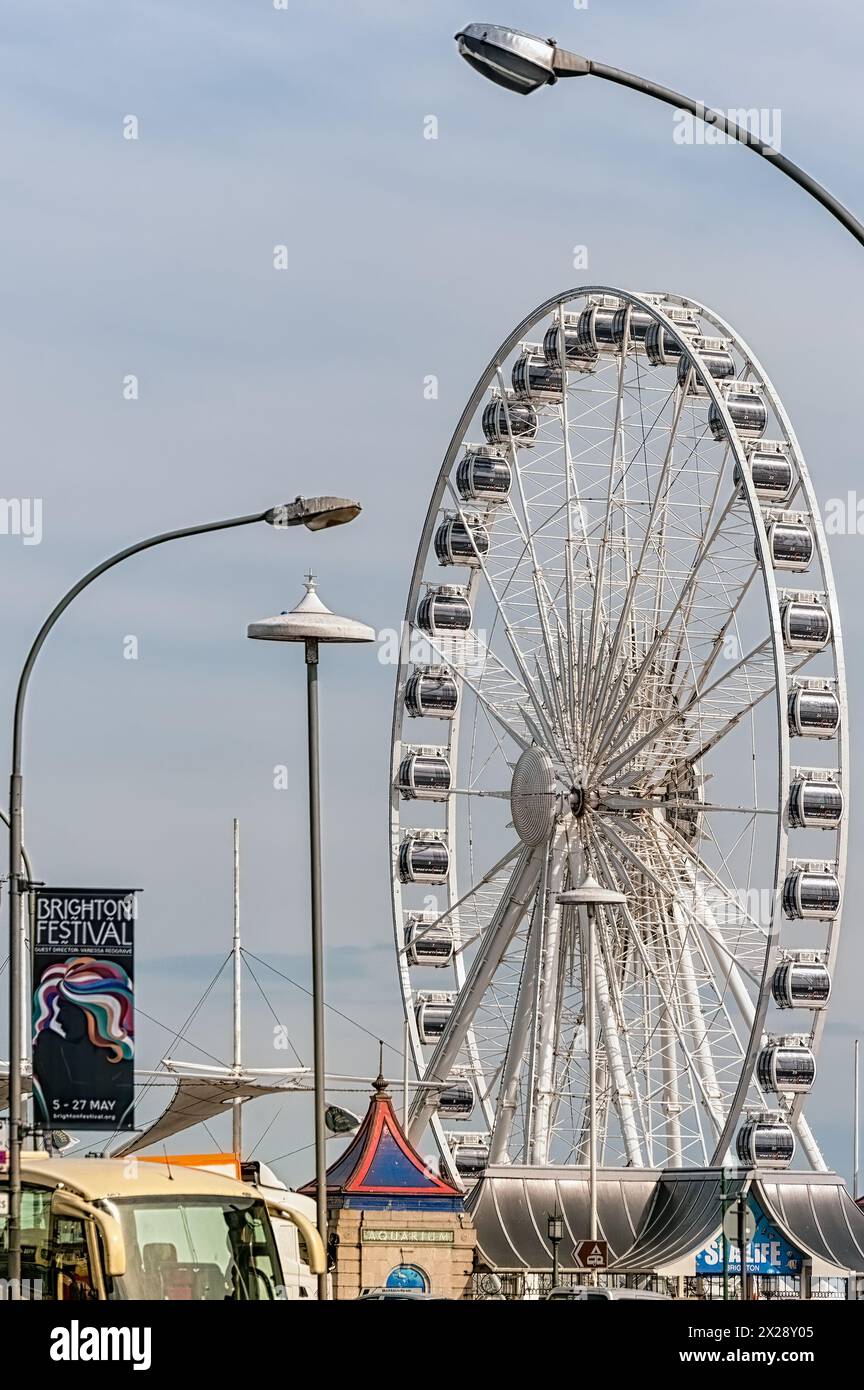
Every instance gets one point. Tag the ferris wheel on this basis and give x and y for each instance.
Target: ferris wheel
(621, 661)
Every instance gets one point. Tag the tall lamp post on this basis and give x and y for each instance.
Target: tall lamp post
(590, 895)
(317, 513)
(555, 1232)
(312, 623)
(28, 871)
(523, 63)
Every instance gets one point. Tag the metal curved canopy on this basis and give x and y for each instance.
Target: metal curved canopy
(818, 1215)
(509, 1207)
(684, 1218)
(656, 1222)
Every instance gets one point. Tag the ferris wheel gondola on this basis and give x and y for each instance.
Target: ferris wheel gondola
(622, 673)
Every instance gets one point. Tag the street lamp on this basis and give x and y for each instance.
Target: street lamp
(523, 63)
(555, 1232)
(314, 512)
(590, 895)
(312, 623)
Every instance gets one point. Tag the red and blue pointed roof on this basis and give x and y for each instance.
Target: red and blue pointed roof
(382, 1169)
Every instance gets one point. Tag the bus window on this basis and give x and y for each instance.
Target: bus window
(194, 1248)
(72, 1261)
(36, 1276)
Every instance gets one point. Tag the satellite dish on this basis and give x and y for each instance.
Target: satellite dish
(490, 1285)
(59, 1142)
(340, 1122)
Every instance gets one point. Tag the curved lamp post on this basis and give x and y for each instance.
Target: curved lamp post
(317, 513)
(312, 623)
(523, 63)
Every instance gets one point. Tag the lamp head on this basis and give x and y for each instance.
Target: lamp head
(316, 513)
(555, 1226)
(512, 59)
(518, 61)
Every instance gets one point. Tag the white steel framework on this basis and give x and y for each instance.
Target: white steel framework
(624, 683)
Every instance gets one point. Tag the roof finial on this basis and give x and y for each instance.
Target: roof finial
(379, 1083)
(311, 583)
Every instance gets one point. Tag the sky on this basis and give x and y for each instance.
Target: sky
(153, 258)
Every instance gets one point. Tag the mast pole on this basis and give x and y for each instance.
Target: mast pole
(237, 1059)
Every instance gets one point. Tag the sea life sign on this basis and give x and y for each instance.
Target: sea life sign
(83, 1007)
(768, 1252)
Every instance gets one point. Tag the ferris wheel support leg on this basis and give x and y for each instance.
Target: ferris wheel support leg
(810, 1146)
(515, 1058)
(671, 1103)
(696, 1020)
(549, 1016)
(622, 1096)
(496, 939)
(745, 1004)
(623, 853)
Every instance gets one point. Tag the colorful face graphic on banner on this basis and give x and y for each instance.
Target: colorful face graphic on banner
(101, 991)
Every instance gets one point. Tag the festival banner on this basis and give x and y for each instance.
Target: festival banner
(83, 1008)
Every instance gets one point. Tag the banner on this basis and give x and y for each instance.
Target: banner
(83, 1008)
(767, 1253)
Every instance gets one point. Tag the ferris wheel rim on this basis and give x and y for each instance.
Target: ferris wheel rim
(770, 586)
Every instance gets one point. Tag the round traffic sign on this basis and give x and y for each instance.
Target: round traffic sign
(730, 1225)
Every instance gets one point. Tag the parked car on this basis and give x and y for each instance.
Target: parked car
(404, 1295)
(566, 1294)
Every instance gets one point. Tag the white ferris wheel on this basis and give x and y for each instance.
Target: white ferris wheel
(621, 660)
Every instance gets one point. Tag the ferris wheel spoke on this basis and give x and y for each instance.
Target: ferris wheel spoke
(735, 909)
(700, 1006)
(670, 888)
(624, 623)
(681, 692)
(647, 803)
(604, 542)
(541, 594)
(734, 599)
(544, 601)
(666, 990)
(612, 716)
(528, 685)
(744, 1000)
(449, 916)
(489, 705)
(488, 957)
(692, 710)
(693, 951)
(573, 502)
(730, 724)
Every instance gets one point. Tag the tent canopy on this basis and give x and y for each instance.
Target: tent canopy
(195, 1101)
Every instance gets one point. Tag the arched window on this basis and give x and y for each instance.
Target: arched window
(408, 1277)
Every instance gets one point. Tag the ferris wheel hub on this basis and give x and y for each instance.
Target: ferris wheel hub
(582, 799)
(533, 803)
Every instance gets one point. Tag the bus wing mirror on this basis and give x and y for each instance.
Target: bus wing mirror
(64, 1203)
(314, 1244)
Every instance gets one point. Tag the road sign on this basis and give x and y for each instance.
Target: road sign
(730, 1225)
(591, 1254)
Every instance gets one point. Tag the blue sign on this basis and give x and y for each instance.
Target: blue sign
(767, 1253)
(406, 1277)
